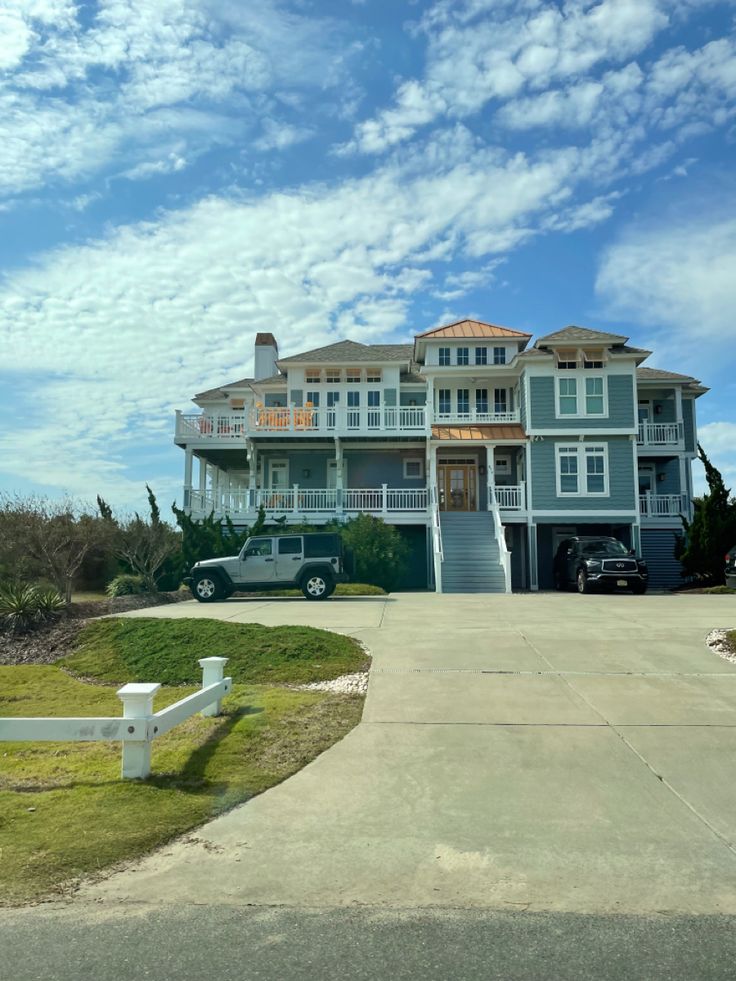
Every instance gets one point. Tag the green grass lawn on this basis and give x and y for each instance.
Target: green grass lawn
(64, 812)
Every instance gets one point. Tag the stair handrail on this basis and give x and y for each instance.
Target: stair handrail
(503, 550)
(439, 554)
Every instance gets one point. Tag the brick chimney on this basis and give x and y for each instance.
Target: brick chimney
(267, 351)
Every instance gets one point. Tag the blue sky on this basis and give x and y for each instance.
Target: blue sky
(176, 175)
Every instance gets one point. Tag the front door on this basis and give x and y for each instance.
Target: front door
(457, 486)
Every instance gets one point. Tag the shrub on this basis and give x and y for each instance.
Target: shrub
(125, 585)
(23, 607)
(380, 555)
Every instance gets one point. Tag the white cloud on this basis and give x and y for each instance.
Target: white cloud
(718, 439)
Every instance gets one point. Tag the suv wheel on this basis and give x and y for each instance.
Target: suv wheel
(317, 586)
(582, 582)
(207, 589)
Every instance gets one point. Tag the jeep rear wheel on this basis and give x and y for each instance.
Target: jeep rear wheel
(207, 588)
(317, 586)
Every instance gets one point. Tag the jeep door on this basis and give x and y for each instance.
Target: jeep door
(257, 562)
(289, 557)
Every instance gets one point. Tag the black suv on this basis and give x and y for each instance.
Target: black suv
(592, 562)
(731, 567)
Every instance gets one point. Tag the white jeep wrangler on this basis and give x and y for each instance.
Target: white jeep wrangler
(314, 563)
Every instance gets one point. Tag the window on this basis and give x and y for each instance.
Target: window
(499, 355)
(290, 546)
(313, 399)
(502, 464)
(481, 400)
(352, 376)
(463, 355)
(312, 377)
(374, 399)
(332, 399)
(463, 400)
(332, 376)
(444, 356)
(592, 359)
(567, 360)
(481, 355)
(353, 400)
(500, 400)
(594, 397)
(374, 415)
(413, 468)
(568, 388)
(279, 474)
(582, 470)
(445, 406)
(373, 375)
(260, 546)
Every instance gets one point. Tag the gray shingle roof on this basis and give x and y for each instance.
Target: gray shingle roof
(223, 389)
(347, 351)
(573, 333)
(659, 374)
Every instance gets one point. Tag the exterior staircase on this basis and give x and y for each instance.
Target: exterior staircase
(472, 558)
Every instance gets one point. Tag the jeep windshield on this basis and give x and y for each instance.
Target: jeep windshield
(610, 548)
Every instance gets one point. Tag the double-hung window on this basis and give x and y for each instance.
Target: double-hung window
(499, 355)
(500, 400)
(444, 356)
(444, 399)
(463, 401)
(594, 398)
(463, 355)
(582, 470)
(481, 355)
(568, 400)
(481, 400)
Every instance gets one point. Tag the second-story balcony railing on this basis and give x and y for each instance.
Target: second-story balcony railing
(661, 505)
(279, 421)
(475, 417)
(660, 433)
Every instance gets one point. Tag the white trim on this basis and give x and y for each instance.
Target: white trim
(597, 433)
(278, 462)
(581, 375)
(579, 515)
(580, 450)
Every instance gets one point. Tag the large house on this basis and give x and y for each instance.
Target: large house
(485, 452)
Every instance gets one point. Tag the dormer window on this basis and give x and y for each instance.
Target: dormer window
(312, 377)
(352, 376)
(373, 375)
(444, 356)
(567, 360)
(332, 376)
(592, 359)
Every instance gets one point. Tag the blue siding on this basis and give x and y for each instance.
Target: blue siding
(300, 460)
(621, 477)
(522, 403)
(371, 469)
(419, 397)
(620, 405)
(275, 398)
(688, 416)
(657, 547)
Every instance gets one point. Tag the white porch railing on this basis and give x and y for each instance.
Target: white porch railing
(473, 416)
(298, 500)
(500, 535)
(139, 725)
(661, 505)
(511, 497)
(660, 433)
(195, 426)
(437, 548)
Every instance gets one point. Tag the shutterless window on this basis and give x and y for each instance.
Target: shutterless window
(445, 401)
(595, 469)
(568, 457)
(353, 400)
(463, 400)
(312, 377)
(481, 355)
(374, 399)
(313, 397)
(373, 375)
(568, 388)
(592, 359)
(290, 546)
(481, 400)
(500, 400)
(593, 396)
(332, 399)
(444, 356)
(414, 469)
(463, 355)
(567, 360)
(499, 355)
(352, 376)
(332, 376)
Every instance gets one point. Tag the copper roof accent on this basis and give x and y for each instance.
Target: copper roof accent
(266, 340)
(487, 433)
(472, 328)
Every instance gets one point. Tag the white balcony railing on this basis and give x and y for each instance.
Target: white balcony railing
(474, 417)
(660, 433)
(661, 505)
(511, 497)
(298, 500)
(336, 420)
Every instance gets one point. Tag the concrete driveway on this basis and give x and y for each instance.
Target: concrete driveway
(528, 752)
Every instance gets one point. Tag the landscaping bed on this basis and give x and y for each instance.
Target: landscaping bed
(64, 812)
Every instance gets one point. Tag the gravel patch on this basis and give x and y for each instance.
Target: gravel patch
(346, 684)
(719, 643)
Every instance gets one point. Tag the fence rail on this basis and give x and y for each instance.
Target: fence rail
(138, 727)
(660, 433)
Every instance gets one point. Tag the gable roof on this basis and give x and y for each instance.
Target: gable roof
(573, 334)
(222, 390)
(472, 328)
(347, 351)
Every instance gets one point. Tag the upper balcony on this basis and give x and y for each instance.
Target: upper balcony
(475, 417)
(661, 435)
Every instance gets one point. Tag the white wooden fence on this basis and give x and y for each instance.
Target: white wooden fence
(138, 726)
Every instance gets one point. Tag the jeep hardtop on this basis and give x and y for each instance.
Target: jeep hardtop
(313, 562)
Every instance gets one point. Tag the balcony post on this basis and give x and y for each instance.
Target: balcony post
(338, 476)
(384, 498)
(295, 505)
(188, 458)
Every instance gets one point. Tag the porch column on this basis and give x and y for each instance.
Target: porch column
(533, 573)
(433, 497)
(202, 476)
(490, 476)
(678, 404)
(339, 488)
(188, 459)
(252, 473)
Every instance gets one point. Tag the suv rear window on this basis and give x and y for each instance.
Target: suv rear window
(317, 546)
(290, 546)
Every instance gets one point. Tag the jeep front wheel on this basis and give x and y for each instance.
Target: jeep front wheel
(317, 586)
(207, 588)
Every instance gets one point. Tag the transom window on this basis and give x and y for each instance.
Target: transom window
(567, 360)
(444, 356)
(499, 355)
(332, 376)
(568, 388)
(353, 376)
(312, 377)
(582, 470)
(463, 355)
(592, 359)
(373, 375)
(445, 401)
(594, 396)
(481, 355)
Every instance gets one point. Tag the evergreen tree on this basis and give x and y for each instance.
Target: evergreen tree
(713, 529)
(210, 538)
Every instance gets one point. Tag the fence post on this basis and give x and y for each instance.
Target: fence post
(213, 670)
(137, 702)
